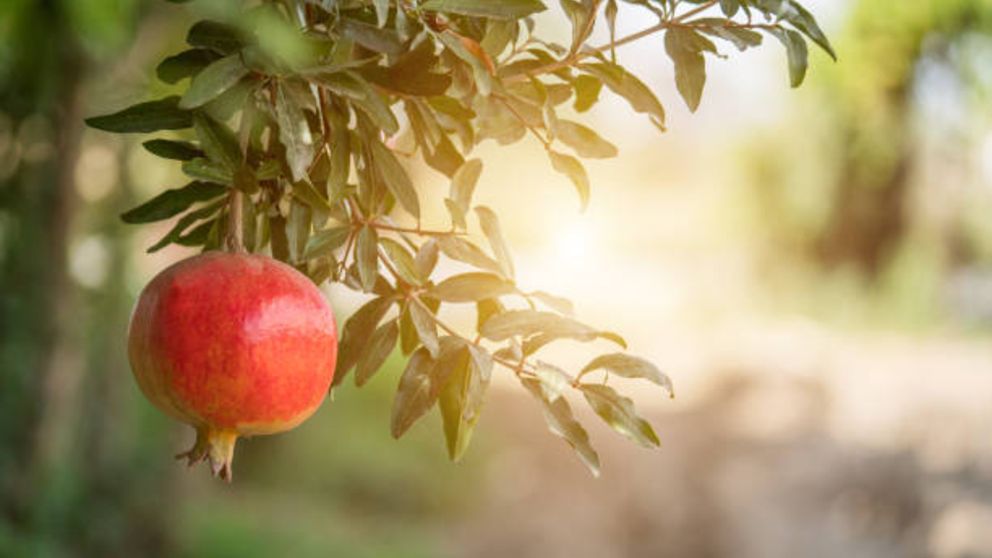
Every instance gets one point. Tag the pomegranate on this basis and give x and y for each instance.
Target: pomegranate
(235, 345)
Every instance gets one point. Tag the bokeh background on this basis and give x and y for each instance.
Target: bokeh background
(812, 267)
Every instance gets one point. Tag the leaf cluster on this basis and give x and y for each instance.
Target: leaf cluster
(290, 146)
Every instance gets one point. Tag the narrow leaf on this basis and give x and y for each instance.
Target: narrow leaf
(562, 423)
(472, 287)
(367, 257)
(490, 227)
(185, 64)
(217, 141)
(356, 333)
(402, 260)
(414, 396)
(213, 80)
(173, 202)
(423, 322)
(618, 412)
(584, 140)
(325, 242)
(294, 133)
(504, 9)
(380, 345)
(463, 183)
(152, 116)
(464, 251)
(395, 177)
(175, 150)
(573, 169)
(630, 367)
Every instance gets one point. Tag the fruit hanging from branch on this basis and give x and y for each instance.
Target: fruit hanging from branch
(288, 129)
(233, 345)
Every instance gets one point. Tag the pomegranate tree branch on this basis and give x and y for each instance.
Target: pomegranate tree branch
(418, 230)
(581, 55)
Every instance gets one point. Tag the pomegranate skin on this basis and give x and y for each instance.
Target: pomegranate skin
(234, 345)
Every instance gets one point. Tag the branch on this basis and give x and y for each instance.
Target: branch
(578, 56)
(412, 230)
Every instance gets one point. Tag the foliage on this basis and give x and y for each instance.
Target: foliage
(288, 130)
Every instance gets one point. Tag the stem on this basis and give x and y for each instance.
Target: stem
(235, 223)
(411, 230)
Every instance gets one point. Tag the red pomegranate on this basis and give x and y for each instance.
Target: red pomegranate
(234, 345)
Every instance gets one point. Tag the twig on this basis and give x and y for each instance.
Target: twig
(578, 56)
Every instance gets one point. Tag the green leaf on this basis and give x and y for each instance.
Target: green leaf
(504, 9)
(412, 73)
(415, 394)
(474, 56)
(610, 13)
(573, 169)
(298, 228)
(175, 150)
(486, 309)
(402, 260)
(350, 86)
(216, 36)
(618, 412)
(562, 423)
(472, 287)
(173, 202)
(805, 22)
(202, 168)
(423, 322)
(306, 192)
(456, 398)
(213, 80)
(795, 47)
(463, 183)
(217, 141)
(584, 140)
(626, 84)
(356, 334)
(380, 345)
(294, 133)
(499, 35)
(409, 340)
(464, 251)
(554, 380)
(557, 303)
(185, 64)
(395, 177)
(582, 17)
(630, 367)
(741, 38)
(458, 219)
(685, 47)
(490, 227)
(426, 259)
(529, 322)
(326, 241)
(587, 89)
(185, 222)
(386, 41)
(199, 236)
(152, 116)
(729, 7)
(367, 257)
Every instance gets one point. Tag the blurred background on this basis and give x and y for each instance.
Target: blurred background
(812, 267)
